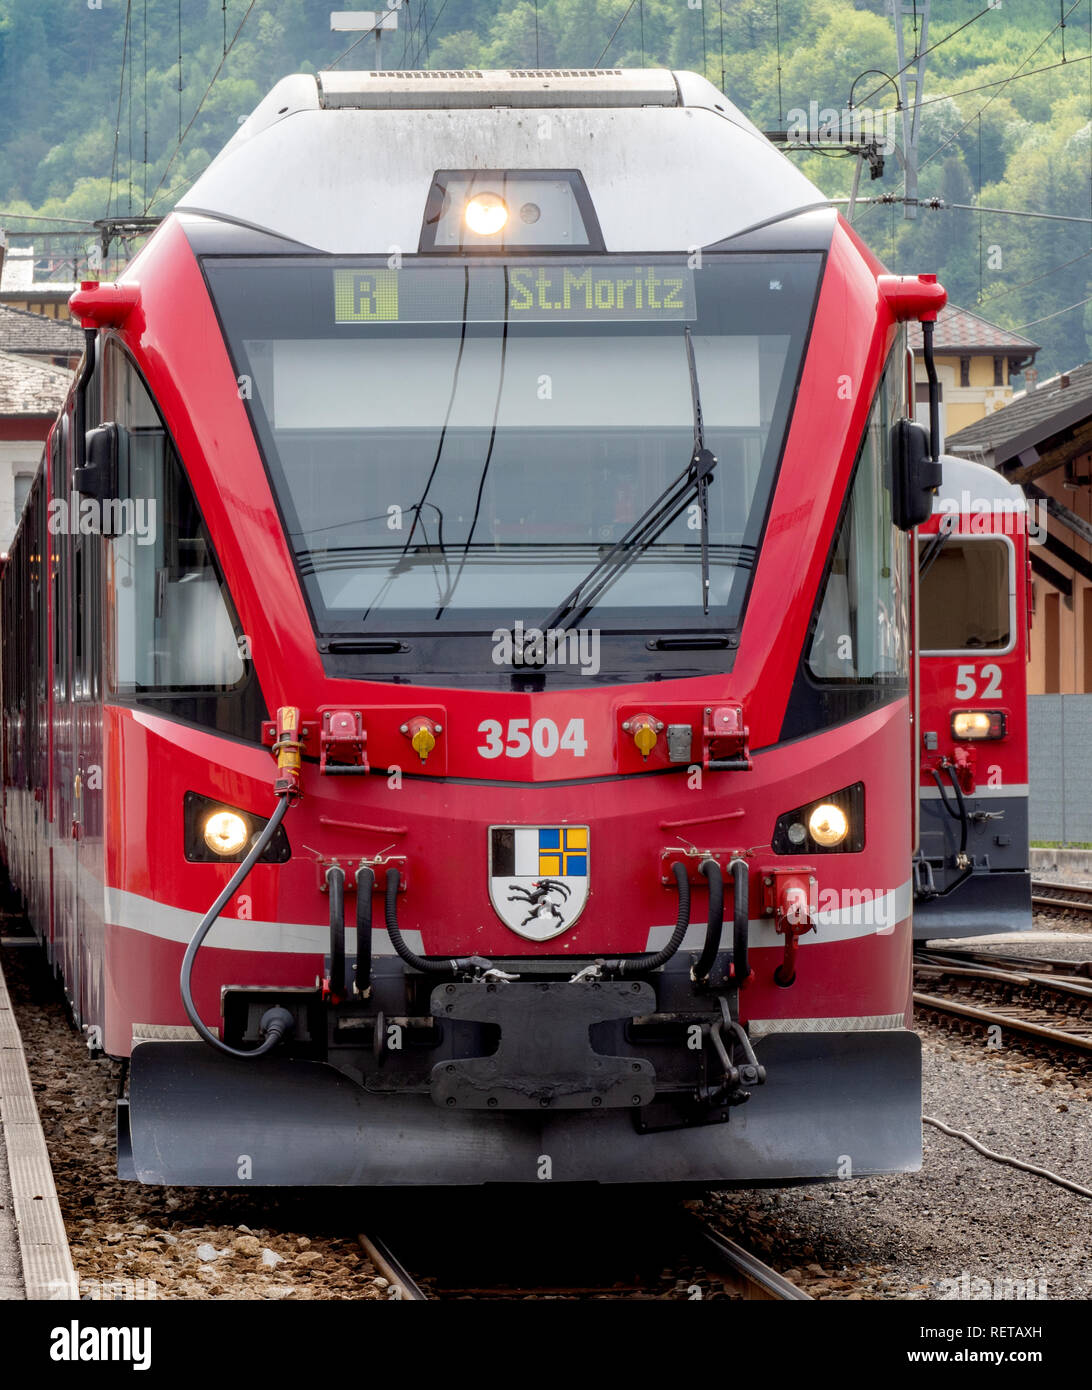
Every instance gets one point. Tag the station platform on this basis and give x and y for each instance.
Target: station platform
(35, 1262)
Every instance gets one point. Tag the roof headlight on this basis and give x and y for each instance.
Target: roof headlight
(486, 214)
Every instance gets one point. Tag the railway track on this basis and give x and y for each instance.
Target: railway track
(724, 1261)
(1048, 1002)
(1067, 897)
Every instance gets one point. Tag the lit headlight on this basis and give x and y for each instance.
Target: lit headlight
(828, 825)
(831, 824)
(225, 832)
(486, 214)
(978, 723)
(490, 209)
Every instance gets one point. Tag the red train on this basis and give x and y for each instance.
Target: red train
(457, 658)
(971, 874)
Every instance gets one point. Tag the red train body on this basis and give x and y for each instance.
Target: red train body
(971, 875)
(279, 360)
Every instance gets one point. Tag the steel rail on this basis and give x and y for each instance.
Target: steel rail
(392, 1269)
(1074, 897)
(1059, 968)
(1057, 1036)
(1068, 986)
(746, 1273)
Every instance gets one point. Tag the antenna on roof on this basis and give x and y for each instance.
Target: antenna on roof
(365, 22)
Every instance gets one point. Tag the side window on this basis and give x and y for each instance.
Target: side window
(173, 625)
(966, 596)
(22, 484)
(860, 634)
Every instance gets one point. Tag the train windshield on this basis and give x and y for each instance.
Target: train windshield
(454, 445)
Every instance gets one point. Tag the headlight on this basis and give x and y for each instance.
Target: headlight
(828, 825)
(978, 723)
(486, 214)
(215, 832)
(225, 832)
(831, 824)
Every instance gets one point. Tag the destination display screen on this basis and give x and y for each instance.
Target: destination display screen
(586, 293)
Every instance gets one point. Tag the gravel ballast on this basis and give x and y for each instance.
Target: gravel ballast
(962, 1227)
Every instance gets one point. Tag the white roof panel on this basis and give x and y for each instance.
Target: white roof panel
(352, 178)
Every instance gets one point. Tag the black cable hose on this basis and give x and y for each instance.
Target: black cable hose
(711, 870)
(335, 883)
(963, 817)
(639, 965)
(365, 886)
(277, 1021)
(741, 924)
(959, 815)
(429, 965)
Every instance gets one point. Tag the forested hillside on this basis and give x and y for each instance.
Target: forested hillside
(1005, 123)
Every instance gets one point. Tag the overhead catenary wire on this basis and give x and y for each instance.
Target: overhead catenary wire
(940, 205)
(380, 16)
(180, 71)
(1001, 84)
(1012, 289)
(117, 118)
(1013, 75)
(432, 26)
(41, 217)
(614, 35)
(932, 48)
(1057, 314)
(144, 183)
(200, 105)
(129, 198)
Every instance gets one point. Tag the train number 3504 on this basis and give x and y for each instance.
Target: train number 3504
(523, 736)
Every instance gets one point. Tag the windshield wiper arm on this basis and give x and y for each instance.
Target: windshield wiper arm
(648, 527)
(701, 464)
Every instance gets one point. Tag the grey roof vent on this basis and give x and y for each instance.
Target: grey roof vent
(531, 87)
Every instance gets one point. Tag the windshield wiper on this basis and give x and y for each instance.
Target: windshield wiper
(703, 462)
(657, 517)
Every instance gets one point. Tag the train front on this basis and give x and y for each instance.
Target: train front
(527, 455)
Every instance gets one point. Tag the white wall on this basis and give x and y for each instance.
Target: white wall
(16, 456)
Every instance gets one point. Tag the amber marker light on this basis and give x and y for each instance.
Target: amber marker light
(828, 825)
(225, 832)
(486, 214)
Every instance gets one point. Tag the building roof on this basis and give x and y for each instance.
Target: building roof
(23, 331)
(29, 388)
(958, 330)
(1029, 418)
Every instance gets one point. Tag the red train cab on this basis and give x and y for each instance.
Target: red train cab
(971, 874)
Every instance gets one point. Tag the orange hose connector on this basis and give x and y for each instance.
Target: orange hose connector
(288, 750)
